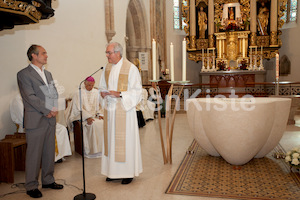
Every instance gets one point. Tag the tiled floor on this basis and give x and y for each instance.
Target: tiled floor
(151, 184)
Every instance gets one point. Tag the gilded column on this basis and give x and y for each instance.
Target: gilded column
(273, 25)
(211, 23)
(192, 25)
(253, 23)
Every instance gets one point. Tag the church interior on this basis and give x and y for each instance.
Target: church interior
(218, 47)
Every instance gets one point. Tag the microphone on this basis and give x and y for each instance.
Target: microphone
(84, 195)
(91, 75)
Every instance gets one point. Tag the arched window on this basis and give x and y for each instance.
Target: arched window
(178, 20)
(290, 15)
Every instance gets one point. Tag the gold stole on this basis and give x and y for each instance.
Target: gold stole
(120, 114)
(56, 148)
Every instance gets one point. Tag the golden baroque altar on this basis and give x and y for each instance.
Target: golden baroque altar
(233, 34)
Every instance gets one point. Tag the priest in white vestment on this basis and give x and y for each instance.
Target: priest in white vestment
(147, 107)
(92, 119)
(61, 133)
(120, 87)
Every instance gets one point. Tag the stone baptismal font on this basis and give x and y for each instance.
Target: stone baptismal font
(238, 129)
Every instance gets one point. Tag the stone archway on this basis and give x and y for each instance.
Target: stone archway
(137, 34)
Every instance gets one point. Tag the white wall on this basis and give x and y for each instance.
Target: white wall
(74, 39)
(176, 37)
(291, 47)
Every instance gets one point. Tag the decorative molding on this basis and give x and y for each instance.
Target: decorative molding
(192, 43)
(282, 9)
(273, 38)
(185, 14)
(253, 39)
(201, 44)
(211, 41)
(201, 1)
(263, 41)
(270, 54)
(21, 8)
(109, 20)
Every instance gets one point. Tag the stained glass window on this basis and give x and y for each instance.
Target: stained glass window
(290, 14)
(293, 11)
(178, 19)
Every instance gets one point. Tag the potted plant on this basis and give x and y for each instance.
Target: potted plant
(247, 24)
(217, 24)
(293, 158)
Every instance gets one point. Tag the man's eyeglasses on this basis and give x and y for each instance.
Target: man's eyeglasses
(109, 52)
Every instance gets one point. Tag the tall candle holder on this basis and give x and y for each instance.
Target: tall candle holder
(203, 66)
(214, 65)
(208, 64)
(159, 120)
(255, 59)
(255, 68)
(167, 145)
(250, 57)
(261, 66)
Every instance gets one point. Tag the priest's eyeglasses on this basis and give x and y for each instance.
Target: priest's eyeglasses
(109, 52)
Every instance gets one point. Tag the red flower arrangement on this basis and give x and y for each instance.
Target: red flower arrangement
(244, 65)
(232, 26)
(222, 66)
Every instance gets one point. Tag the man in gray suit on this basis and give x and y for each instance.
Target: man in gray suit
(40, 109)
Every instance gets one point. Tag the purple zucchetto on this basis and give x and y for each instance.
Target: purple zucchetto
(91, 79)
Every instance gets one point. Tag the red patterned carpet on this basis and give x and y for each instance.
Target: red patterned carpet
(266, 178)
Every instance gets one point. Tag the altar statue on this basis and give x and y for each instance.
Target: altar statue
(202, 22)
(263, 19)
(231, 14)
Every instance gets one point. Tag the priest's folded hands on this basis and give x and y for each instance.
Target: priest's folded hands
(111, 93)
(90, 120)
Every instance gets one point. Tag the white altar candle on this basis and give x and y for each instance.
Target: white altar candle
(213, 60)
(243, 48)
(154, 59)
(184, 60)
(207, 59)
(277, 66)
(172, 60)
(219, 49)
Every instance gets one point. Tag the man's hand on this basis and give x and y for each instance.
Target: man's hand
(115, 94)
(52, 113)
(90, 121)
(111, 93)
(104, 94)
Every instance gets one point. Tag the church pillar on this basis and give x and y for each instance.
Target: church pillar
(192, 25)
(211, 23)
(253, 23)
(273, 25)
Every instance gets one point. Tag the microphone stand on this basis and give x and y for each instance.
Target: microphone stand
(84, 195)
